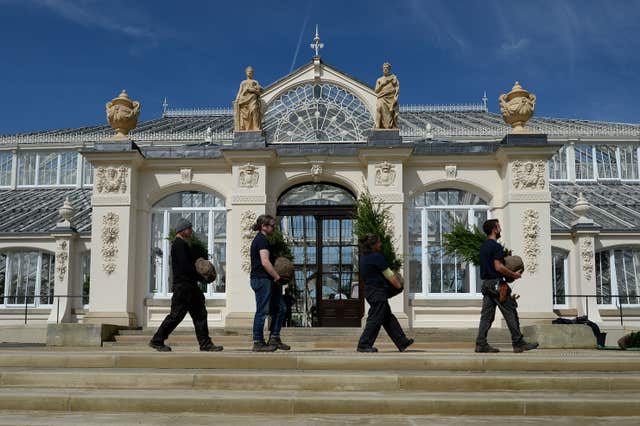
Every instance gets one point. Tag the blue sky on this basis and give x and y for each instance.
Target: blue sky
(61, 60)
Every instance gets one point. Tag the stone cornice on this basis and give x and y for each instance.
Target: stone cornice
(237, 156)
(401, 154)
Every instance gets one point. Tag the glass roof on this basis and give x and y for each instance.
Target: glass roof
(317, 113)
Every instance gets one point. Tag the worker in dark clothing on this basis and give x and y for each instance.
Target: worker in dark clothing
(377, 278)
(289, 301)
(492, 273)
(187, 296)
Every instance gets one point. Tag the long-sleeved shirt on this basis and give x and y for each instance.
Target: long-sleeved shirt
(183, 264)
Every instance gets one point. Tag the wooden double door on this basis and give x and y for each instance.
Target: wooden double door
(327, 290)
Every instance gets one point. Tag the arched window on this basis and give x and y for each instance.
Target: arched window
(27, 277)
(317, 194)
(559, 276)
(208, 215)
(618, 275)
(317, 113)
(432, 273)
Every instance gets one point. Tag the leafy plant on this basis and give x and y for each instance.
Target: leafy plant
(372, 218)
(196, 245)
(280, 245)
(465, 243)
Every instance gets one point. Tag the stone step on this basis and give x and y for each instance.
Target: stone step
(308, 402)
(540, 360)
(381, 344)
(325, 381)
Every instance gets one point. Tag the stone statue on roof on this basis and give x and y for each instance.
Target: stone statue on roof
(387, 91)
(247, 108)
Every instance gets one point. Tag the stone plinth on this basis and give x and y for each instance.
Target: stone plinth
(382, 138)
(249, 140)
(80, 334)
(560, 336)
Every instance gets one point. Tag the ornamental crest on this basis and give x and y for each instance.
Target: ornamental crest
(530, 233)
(185, 175)
(451, 171)
(316, 171)
(62, 256)
(111, 180)
(247, 220)
(586, 251)
(385, 174)
(528, 175)
(249, 176)
(110, 237)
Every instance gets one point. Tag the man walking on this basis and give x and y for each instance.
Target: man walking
(187, 296)
(492, 273)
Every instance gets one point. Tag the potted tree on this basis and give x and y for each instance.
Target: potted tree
(284, 257)
(201, 254)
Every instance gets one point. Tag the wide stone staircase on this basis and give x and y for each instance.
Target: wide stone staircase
(319, 383)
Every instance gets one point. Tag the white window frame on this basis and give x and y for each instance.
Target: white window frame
(425, 265)
(637, 150)
(12, 157)
(37, 287)
(37, 171)
(565, 275)
(164, 292)
(562, 151)
(81, 175)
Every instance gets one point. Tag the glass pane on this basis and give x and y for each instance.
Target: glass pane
(27, 168)
(157, 240)
(48, 168)
(558, 165)
(191, 199)
(68, 168)
(87, 172)
(558, 276)
(447, 197)
(415, 251)
(24, 267)
(47, 278)
(607, 162)
(584, 162)
(627, 280)
(219, 255)
(85, 271)
(6, 162)
(603, 278)
(629, 161)
(3, 273)
(319, 194)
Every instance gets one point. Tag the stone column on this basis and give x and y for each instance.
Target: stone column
(113, 233)
(526, 220)
(385, 183)
(249, 200)
(65, 236)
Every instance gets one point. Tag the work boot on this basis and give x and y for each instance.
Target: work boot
(486, 349)
(160, 347)
(277, 342)
(211, 348)
(367, 349)
(406, 344)
(524, 347)
(263, 347)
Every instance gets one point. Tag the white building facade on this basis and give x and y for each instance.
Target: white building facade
(110, 262)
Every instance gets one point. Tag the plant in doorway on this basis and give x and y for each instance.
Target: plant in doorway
(200, 253)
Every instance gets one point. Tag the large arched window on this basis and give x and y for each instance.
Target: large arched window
(432, 273)
(618, 275)
(317, 113)
(26, 277)
(209, 217)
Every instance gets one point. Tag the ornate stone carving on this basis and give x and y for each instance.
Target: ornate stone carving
(248, 199)
(249, 176)
(316, 171)
(247, 108)
(451, 171)
(586, 251)
(385, 174)
(110, 237)
(62, 257)
(111, 180)
(387, 91)
(247, 220)
(122, 114)
(517, 107)
(185, 175)
(528, 175)
(531, 231)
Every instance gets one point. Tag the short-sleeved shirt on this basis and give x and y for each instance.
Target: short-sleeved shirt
(490, 250)
(375, 284)
(260, 242)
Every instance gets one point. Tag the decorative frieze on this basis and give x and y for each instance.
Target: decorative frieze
(528, 175)
(249, 176)
(110, 237)
(385, 174)
(111, 180)
(62, 258)
(531, 231)
(185, 175)
(247, 220)
(586, 251)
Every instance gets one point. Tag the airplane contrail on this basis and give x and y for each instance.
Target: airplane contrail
(304, 25)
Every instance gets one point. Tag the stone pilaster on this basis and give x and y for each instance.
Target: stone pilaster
(65, 264)
(113, 233)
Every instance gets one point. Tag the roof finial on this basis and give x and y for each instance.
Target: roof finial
(165, 105)
(484, 101)
(316, 45)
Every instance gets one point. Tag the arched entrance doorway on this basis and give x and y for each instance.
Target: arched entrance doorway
(318, 219)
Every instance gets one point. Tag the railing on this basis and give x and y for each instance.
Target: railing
(471, 107)
(600, 296)
(33, 298)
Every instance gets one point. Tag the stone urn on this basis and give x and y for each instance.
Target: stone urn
(517, 107)
(122, 114)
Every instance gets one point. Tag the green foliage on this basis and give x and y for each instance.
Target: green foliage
(466, 243)
(634, 339)
(280, 245)
(197, 246)
(372, 218)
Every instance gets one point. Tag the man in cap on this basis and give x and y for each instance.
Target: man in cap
(187, 296)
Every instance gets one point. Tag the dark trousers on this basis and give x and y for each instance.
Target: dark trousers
(380, 315)
(509, 311)
(277, 310)
(188, 298)
(262, 290)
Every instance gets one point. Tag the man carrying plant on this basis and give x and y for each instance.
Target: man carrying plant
(493, 273)
(187, 296)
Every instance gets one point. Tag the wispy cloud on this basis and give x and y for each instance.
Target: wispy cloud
(511, 47)
(439, 22)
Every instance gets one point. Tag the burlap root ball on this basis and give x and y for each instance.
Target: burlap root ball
(206, 269)
(284, 268)
(514, 264)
